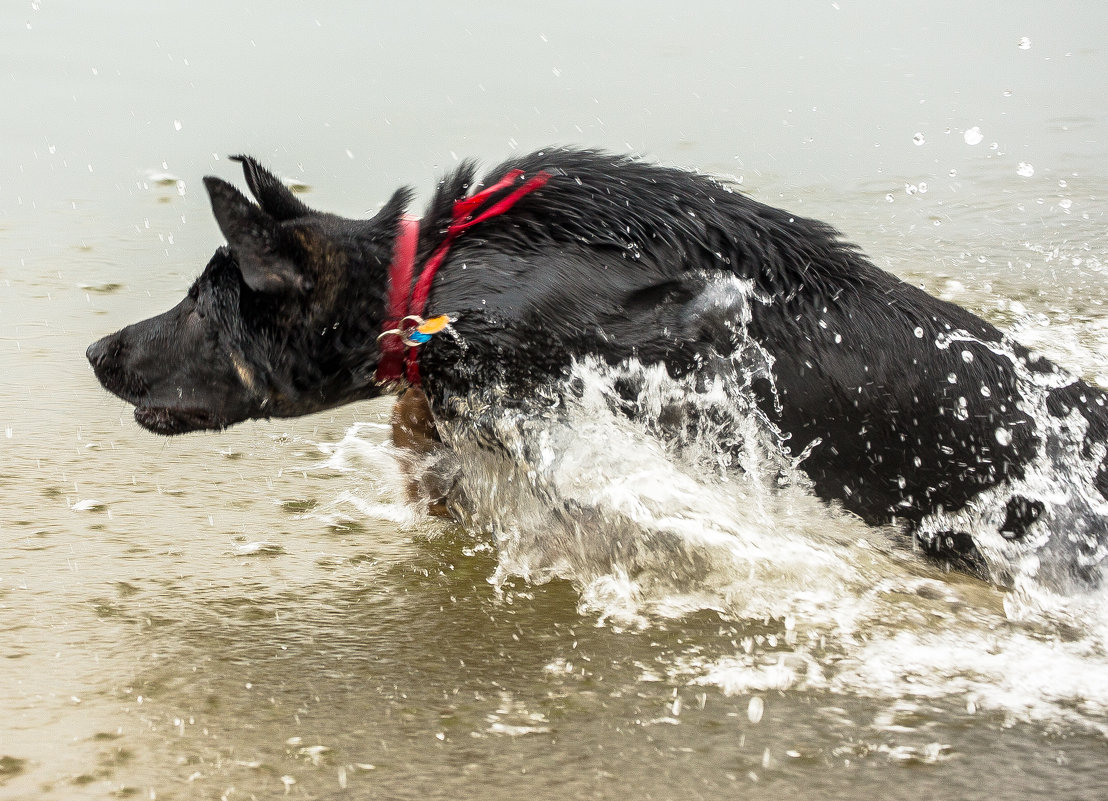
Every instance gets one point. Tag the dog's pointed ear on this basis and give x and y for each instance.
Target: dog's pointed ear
(385, 224)
(254, 237)
(272, 194)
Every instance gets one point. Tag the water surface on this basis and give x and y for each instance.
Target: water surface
(257, 612)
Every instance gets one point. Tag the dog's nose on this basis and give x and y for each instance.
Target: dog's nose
(99, 351)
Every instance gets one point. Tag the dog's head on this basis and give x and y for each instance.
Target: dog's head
(282, 322)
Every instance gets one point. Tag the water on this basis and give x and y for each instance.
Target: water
(258, 612)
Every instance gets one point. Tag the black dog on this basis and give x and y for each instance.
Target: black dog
(906, 406)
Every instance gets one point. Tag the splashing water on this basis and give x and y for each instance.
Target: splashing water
(1065, 549)
(648, 523)
(660, 497)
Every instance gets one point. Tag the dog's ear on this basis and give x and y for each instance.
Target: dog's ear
(273, 196)
(255, 238)
(385, 224)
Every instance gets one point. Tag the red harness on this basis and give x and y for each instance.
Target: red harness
(405, 312)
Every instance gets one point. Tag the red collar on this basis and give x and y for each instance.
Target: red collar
(405, 311)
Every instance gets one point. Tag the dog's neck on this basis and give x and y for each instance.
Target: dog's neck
(404, 315)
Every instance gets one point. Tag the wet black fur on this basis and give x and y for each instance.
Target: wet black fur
(608, 259)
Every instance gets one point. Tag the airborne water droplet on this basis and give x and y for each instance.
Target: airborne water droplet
(918, 139)
(973, 136)
(755, 709)
(1003, 436)
(1025, 170)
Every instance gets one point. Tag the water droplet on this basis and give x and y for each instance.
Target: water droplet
(953, 173)
(967, 357)
(1003, 436)
(986, 392)
(1025, 43)
(918, 332)
(177, 125)
(973, 136)
(1025, 170)
(838, 338)
(889, 198)
(1065, 203)
(755, 709)
(910, 189)
(918, 139)
(952, 378)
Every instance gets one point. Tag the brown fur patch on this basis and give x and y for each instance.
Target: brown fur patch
(413, 429)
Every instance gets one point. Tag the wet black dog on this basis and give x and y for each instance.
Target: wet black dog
(907, 405)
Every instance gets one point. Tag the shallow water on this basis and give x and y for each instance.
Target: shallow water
(257, 612)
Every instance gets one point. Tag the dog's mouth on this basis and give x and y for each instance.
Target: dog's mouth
(168, 420)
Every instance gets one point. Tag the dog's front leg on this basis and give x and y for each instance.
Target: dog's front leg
(414, 431)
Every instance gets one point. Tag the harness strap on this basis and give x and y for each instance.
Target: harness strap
(390, 364)
(405, 312)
